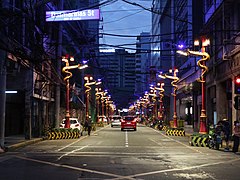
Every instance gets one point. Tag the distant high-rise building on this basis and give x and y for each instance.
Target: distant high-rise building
(118, 69)
(143, 63)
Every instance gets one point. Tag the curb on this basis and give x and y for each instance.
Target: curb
(22, 144)
(188, 134)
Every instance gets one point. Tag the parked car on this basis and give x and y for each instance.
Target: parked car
(74, 124)
(102, 119)
(116, 120)
(129, 122)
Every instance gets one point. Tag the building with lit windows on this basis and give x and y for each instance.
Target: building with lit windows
(118, 71)
(219, 22)
(221, 25)
(34, 48)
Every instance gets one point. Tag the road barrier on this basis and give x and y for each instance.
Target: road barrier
(63, 135)
(200, 140)
(175, 132)
(164, 128)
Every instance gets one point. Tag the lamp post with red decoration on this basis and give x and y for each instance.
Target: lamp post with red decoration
(153, 94)
(202, 64)
(103, 97)
(89, 82)
(161, 95)
(66, 69)
(175, 80)
(98, 96)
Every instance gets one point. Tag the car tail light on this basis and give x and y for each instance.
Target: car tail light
(122, 121)
(76, 125)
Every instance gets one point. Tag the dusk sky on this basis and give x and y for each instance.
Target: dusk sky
(122, 18)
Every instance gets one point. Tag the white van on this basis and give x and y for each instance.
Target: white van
(116, 120)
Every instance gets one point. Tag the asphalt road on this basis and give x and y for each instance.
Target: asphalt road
(110, 153)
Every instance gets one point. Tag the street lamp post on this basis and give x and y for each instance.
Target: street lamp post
(161, 95)
(175, 80)
(66, 69)
(154, 95)
(108, 102)
(87, 91)
(103, 100)
(145, 102)
(98, 93)
(202, 64)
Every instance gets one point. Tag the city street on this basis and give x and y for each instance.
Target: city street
(110, 153)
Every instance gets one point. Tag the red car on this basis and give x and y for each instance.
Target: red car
(129, 122)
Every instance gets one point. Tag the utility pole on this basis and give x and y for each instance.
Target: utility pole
(3, 77)
(2, 96)
(58, 67)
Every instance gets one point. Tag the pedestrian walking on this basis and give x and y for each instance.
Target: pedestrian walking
(236, 136)
(88, 126)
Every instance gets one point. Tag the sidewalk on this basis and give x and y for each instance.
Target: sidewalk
(17, 141)
(188, 130)
(13, 142)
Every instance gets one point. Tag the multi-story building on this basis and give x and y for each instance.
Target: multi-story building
(143, 63)
(221, 25)
(218, 21)
(33, 49)
(118, 70)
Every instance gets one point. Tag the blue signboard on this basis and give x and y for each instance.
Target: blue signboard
(73, 15)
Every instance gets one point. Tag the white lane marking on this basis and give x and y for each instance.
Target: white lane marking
(69, 145)
(126, 139)
(66, 154)
(74, 168)
(81, 138)
(179, 169)
(189, 147)
(132, 177)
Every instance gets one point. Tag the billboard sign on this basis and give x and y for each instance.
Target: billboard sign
(73, 15)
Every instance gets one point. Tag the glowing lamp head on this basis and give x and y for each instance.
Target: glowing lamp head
(180, 46)
(237, 80)
(206, 42)
(71, 58)
(196, 43)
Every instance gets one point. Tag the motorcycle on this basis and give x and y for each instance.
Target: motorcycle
(160, 125)
(214, 137)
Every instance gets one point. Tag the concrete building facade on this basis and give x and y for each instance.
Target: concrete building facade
(218, 21)
(31, 52)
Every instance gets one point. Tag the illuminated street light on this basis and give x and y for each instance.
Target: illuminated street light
(66, 69)
(108, 102)
(89, 82)
(98, 96)
(103, 99)
(202, 64)
(159, 87)
(153, 93)
(175, 80)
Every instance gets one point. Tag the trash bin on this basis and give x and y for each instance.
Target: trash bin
(171, 123)
(180, 123)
